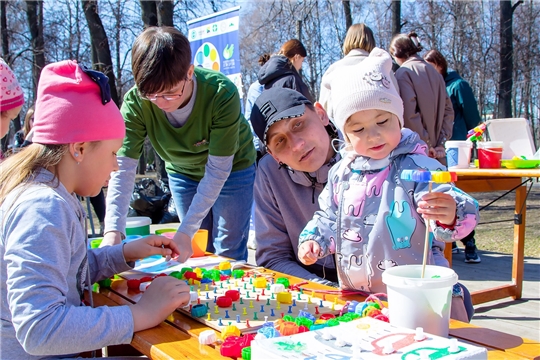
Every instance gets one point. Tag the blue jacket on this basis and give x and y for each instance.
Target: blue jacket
(466, 115)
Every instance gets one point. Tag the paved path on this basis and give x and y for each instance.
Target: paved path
(516, 317)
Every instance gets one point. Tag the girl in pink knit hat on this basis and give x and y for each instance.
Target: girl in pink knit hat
(11, 97)
(45, 264)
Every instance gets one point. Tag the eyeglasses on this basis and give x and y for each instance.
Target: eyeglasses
(169, 97)
(101, 80)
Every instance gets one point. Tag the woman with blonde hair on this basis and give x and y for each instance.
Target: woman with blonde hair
(357, 45)
(427, 107)
(283, 69)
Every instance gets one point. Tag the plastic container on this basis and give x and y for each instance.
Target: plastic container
(420, 302)
(138, 225)
(95, 242)
(489, 154)
(458, 154)
(131, 238)
(199, 242)
(162, 231)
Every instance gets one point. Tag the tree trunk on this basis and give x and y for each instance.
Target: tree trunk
(396, 17)
(506, 59)
(149, 13)
(165, 12)
(347, 12)
(34, 13)
(4, 31)
(100, 45)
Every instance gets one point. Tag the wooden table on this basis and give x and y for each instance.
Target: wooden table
(177, 337)
(486, 180)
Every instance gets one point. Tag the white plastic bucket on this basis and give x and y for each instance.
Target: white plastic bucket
(458, 154)
(420, 302)
(138, 225)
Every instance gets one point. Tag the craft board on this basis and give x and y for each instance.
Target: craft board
(515, 134)
(252, 305)
(157, 264)
(363, 338)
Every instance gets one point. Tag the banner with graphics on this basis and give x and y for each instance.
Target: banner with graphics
(215, 45)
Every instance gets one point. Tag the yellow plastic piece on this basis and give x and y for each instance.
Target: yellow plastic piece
(224, 265)
(198, 271)
(260, 282)
(284, 297)
(230, 330)
(216, 309)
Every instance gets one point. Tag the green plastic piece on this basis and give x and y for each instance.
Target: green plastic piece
(106, 283)
(332, 322)
(183, 270)
(345, 317)
(303, 321)
(246, 353)
(283, 281)
(213, 274)
(177, 274)
(238, 273)
(288, 318)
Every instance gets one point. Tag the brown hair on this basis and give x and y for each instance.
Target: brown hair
(291, 48)
(359, 36)
(28, 120)
(160, 59)
(24, 165)
(435, 57)
(404, 46)
(263, 59)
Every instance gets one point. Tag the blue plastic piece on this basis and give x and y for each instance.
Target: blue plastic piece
(416, 175)
(199, 310)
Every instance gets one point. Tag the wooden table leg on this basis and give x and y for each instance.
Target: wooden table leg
(519, 241)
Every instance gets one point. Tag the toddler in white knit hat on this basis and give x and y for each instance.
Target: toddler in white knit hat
(370, 219)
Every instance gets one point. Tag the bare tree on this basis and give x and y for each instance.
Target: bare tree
(347, 13)
(165, 12)
(149, 13)
(396, 17)
(101, 53)
(34, 13)
(506, 68)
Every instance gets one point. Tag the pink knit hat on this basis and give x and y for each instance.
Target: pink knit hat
(11, 94)
(71, 106)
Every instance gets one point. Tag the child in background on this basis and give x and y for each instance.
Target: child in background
(11, 98)
(370, 218)
(43, 240)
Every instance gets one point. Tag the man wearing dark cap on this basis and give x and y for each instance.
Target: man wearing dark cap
(298, 138)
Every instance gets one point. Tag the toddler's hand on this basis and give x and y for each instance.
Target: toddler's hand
(437, 152)
(148, 246)
(184, 245)
(111, 238)
(161, 298)
(439, 207)
(308, 252)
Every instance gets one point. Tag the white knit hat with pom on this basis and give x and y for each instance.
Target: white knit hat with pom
(368, 86)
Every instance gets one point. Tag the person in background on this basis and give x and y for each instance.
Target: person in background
(357, 45)
(427, 108)
(20, 139)
(466, 117)
(283, 69)
(45, 261)
(192, 117)
(11, 98)
(253, 93)
(370, 219)
(298, 137)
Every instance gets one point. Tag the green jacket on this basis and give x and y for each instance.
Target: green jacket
(466, 115)
(214, 127)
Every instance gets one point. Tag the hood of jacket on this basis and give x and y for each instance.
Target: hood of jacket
(276, 67)
(451, 76)
(410, 143)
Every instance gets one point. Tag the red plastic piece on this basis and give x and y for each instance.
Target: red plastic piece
(146, 279)
(223, 277)
(191, 275)
(327, 316)
(160, 275)
(302, 329)
(223, 301)
(233, 294)
(233, 345)
(133, 284)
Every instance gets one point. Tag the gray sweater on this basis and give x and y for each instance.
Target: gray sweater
(285, 201)
(44, 273)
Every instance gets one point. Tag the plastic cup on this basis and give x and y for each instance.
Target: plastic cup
(414, 301)
(162, 231)
(489, 154)
(95, 242)
(199, 242)
(458, 154)
(138, 225)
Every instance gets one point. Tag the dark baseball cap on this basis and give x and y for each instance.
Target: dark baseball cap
(276, 104)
